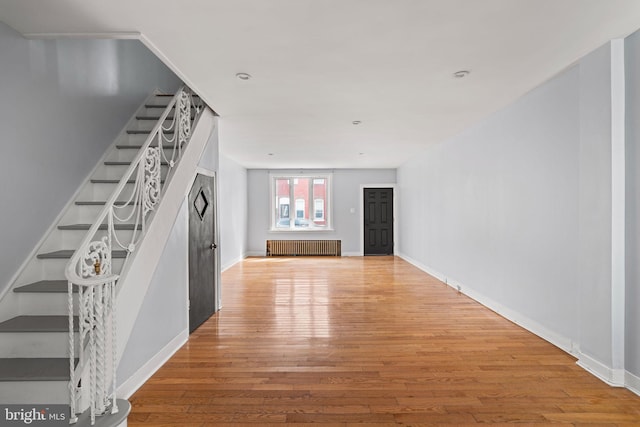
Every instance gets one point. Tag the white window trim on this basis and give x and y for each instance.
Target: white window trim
(328, 208)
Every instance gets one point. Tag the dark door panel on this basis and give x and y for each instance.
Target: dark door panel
(202, 247)
(378, 221)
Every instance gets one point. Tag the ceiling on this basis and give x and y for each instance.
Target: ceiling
(319, 65)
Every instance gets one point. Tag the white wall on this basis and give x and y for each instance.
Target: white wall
(632, 327)
(63, 103)
(232, 207)
(346, 196)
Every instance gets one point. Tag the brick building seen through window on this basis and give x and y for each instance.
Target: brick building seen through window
(301, 202)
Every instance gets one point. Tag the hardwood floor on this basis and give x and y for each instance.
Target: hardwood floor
(353, 341)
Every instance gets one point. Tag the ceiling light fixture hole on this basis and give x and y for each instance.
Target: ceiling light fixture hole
(461, 74)
(356, 122)
(243, 76)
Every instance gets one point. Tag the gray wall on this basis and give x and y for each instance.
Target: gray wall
(233, 207)
(632, 327)
(63, 103)
(496, 207)
(594, 218)
(346, 196)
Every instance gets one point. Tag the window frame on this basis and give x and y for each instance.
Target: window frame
(293, 179)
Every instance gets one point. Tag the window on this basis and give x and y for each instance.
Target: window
(310, 197)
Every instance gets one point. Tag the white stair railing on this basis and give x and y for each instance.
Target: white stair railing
(91, 271)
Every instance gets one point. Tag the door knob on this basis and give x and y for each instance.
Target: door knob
(214, 246)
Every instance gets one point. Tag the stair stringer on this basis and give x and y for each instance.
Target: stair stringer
(138, 273)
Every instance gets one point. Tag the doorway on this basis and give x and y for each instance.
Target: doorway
(378, 221)
(202, 251)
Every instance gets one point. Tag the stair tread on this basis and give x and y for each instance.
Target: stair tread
(102, 227)
(156, 118)
(97, 202)
(139, 146)
(47, 286)
(173, 94)
(34, 369)
(68, 253)
(112, 163)
(114, 181)
(49, 323)
(146, 132)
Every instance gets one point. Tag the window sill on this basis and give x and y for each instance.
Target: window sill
(300, 230)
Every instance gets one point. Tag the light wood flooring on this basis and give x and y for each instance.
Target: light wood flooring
(353, 341)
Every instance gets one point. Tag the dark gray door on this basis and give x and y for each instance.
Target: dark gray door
(202, 251)
(378, 221)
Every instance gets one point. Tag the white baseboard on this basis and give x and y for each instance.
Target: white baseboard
(531, 325)
(425, 268)
(613, 377)
(351, 254)
(233, 262)
(130, 386)
(632, 382)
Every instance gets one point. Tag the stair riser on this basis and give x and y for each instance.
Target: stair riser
(72, 239)
(87, 214)
(80, 215)
(156, 112)
(103, 191)
(150, 124)
(139, 139)
(117, 171)
(36, 303)
(127, 155)
(34, 392)
(54, 268)
(159, 100)
(35, 344)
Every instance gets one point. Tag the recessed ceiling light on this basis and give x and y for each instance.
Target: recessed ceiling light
(243, 76)
(356, 122)
(461, 74)
(270, 154)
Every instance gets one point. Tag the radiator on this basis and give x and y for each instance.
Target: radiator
(304, 247)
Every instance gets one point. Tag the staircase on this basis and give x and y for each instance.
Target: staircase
(34, 320)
